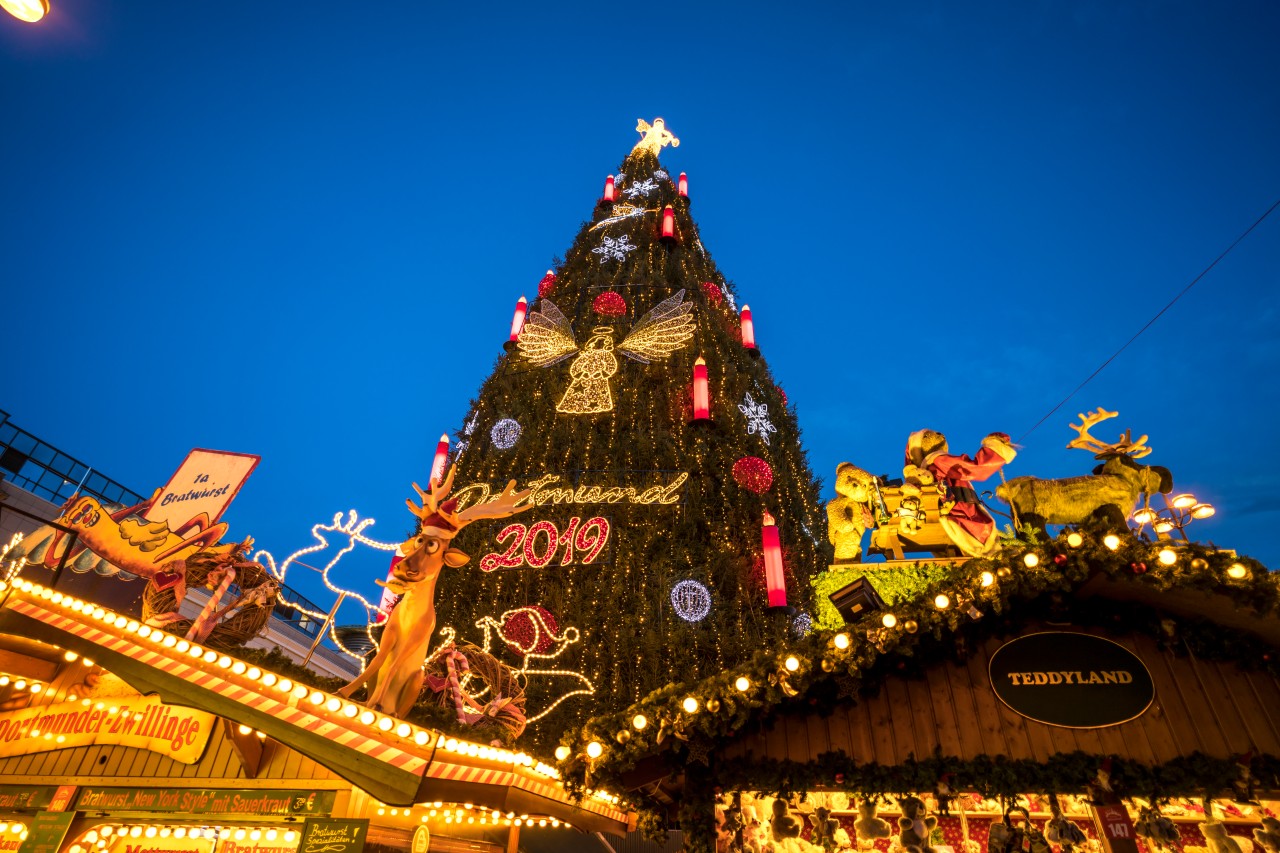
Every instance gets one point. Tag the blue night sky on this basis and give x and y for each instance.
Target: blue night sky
(299, 229)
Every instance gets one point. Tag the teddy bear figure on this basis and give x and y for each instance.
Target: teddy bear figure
(824, 827)
(868, 827)
(1217, 839)
(915, 826)
(849, 514)
(967, 523)
(1268, 837)
(1158, 831)
(784, 826)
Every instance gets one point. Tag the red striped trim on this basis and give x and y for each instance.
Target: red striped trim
(183, 667)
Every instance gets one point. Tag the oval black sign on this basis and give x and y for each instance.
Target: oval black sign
(1077, 681)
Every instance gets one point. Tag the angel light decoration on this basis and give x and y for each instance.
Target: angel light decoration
(547, 338)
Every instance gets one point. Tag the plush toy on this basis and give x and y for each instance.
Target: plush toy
(963, 517)
(1217, 839)
(1268, 837)
(868, 827)
(1158, 831)
(824, 828)
(1059, 830)
(783, 826)
(915, 825)
(850, 513)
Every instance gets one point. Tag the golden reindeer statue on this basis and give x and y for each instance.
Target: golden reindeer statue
(394, 676)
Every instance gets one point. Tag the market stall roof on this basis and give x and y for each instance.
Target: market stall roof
(398, 763)
(893, 704)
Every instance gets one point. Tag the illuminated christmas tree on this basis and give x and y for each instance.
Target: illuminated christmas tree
(652, 494)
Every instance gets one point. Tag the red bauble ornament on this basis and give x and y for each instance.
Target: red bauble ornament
(1059, 558)
(753, 474)
(547, 285)
(714, 295)
(525, 635)
(609, 304)
(782, 394)
(839, 778)
(1138, 568)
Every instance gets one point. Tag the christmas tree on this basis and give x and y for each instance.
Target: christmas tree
(645, 541)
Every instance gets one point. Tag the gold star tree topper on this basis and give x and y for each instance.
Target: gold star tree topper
(656, 137)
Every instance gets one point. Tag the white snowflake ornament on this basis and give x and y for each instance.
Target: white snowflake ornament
(617, 250)
(757, 415)
(640, 188)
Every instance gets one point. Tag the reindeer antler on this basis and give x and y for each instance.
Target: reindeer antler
(500, 507)
(1126, 446)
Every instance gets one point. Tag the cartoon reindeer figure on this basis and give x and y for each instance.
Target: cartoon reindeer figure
(394, 676)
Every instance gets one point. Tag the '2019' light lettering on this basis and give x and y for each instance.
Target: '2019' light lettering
(538, 544)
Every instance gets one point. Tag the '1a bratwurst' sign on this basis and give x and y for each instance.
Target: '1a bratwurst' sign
(1077, 681)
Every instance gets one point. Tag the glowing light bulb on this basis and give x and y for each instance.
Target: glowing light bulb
(1237, 571)
(742, 683)
(792, 663)
(987, 579)
(841, 641)
(888, 620)
(1167, 557)
(562, 752)
(639, 721)
(690, 705)
(1031, 560)
(1183, 501)
(1112, 541)
(941, 601)
(594, 749)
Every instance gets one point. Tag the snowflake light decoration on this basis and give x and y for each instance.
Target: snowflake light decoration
(640, 188)
(757, 415)
(661, 174)
(617, 250)
(729, 297)
(505, 433)
(691, 600)
(802, 624)
(468, 428)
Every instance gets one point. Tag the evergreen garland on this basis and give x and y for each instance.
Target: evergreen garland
(1017, 594)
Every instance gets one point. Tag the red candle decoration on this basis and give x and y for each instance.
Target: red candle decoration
(748, 328)
(442, 456)
(773, 574)
(701, 393)
(668, 223)
(547, 285)
(517, 321)
(608, 189)
(683, 185)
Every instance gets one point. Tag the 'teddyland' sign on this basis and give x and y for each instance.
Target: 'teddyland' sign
(1072, 680)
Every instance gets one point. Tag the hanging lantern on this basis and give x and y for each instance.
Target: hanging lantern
(442, 456)
(701, 392)
(748, 328)
(682, 186)
(773, 575)
(608, 190)
(517, 321)
(668, 223)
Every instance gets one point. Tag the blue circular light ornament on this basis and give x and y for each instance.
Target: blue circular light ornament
(691, 600)
(505, 433)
